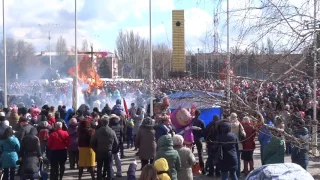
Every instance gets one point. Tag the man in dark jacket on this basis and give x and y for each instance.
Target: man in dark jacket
(198, 136)
(210, 135)
(115, 125)
(106, 110)
(25, 129)
(63, 112)
(31, 157)
(103, 142)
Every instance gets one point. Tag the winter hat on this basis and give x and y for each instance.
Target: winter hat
(6, 122)
(43, 123)
(162, 168)
(147, 121)
(177, 140)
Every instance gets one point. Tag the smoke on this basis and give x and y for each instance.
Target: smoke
(34, 72)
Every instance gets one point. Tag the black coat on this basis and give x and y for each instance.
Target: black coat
(226, 139)
(30, 153)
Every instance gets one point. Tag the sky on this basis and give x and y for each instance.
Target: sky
(99, 21)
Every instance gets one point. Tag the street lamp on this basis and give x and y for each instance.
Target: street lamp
(150, 48)
(4, 58)
(49, 26)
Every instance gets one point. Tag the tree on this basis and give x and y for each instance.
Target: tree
(85, 46)
(20, 56)
(61, 47)
(161, 60)
(104, 69)
(132, 51)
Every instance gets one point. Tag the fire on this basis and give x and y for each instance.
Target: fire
(87, 74)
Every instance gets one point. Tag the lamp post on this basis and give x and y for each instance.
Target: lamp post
(315, 128)
(150, 48)
(314, 26)
(4, 57)
(75, 99)
(49, 26)
(228, 59)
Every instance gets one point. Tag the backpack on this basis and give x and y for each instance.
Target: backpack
(44, 134)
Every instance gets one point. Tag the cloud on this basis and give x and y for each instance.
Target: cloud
(143, 31)
(100, 17)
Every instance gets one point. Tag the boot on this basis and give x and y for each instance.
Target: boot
(251, 164)
(80, 173)
(245, 168)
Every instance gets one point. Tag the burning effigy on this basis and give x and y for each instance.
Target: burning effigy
(87, 75)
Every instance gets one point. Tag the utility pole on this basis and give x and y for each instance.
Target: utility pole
(314, 26)
(228, 59)
(150, 48)
(198, 64)
(49, 27)
(315, 128)
(4, 57)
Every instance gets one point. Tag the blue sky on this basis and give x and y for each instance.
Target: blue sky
(99, 21)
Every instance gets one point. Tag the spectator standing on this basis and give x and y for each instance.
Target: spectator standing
(114, 123)
(145, 141)
(229, 163)
(87, 157)
(73, 149)
(210, 134)
(186, 156)
(198, 134)
(58, 143)
(165, 150)
(9, 149)
(31, 158)
(102, 142)
(248, 145)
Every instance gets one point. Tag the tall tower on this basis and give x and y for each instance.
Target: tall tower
(178, 41)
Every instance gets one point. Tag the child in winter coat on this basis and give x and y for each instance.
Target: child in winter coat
(130, 125)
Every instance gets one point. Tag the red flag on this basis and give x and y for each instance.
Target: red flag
(126, 107)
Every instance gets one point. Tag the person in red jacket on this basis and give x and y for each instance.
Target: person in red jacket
(248, 145)
(58, 143)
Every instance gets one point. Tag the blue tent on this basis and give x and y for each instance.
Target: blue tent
(187, 98)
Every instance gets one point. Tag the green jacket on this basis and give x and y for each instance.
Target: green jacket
(273, 153)
(165, 150)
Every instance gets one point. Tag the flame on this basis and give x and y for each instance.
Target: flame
(87, 74)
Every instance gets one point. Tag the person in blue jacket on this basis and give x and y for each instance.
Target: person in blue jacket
(264, 137)
(9, 149)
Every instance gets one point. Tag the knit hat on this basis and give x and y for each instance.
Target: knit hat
(147, 121)
(162, 168)
(6, 122)
(43, 123)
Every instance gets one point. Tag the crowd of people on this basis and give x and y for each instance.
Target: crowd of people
(91, 139)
